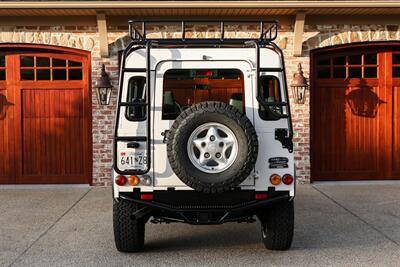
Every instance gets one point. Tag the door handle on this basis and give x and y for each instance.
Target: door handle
(133, 145)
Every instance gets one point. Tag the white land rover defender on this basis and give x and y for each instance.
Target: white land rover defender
(203, 135)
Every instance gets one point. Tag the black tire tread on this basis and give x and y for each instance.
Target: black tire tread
(128, 232)
(279, 222)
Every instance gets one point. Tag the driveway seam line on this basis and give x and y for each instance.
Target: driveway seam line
(355, 215)
(49, 228)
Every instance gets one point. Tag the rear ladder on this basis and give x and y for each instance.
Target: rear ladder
(145, 138)
(282, 135)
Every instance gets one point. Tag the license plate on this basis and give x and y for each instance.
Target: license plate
(132, 160)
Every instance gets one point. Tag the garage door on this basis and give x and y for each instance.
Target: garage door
(45, 116)
(355, 112)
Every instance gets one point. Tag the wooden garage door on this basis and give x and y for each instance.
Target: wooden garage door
(46, 118)
(6, 162)
(355, 132)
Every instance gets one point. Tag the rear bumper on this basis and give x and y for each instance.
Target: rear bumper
(198, 208)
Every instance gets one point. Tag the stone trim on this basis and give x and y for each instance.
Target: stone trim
(46, 35)
(323, 36)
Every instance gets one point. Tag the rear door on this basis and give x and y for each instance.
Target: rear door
(229, 80)
(271, 89)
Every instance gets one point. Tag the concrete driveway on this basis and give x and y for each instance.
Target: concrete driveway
(336, 225)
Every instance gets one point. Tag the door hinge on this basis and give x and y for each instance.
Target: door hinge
(165, 134)
(281, 134)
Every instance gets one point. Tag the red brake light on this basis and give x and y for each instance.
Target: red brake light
(146, 197)
(261, 196)
(287, 179)
(120, 180)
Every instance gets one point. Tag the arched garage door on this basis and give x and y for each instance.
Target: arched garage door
(355, 112)
(45, 115)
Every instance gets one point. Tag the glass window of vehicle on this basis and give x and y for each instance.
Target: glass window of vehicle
(136, 94)
(185, 87)
(269, 92)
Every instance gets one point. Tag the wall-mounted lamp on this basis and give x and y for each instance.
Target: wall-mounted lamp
(299, 86)
(103, 88)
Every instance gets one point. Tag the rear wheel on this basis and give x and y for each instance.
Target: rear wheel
(277, 225)
(128, 232)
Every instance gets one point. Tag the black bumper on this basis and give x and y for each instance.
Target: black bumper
(199, 208)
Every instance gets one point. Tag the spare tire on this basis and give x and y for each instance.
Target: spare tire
(212, 147)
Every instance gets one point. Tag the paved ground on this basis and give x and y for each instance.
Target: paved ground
(347, 225)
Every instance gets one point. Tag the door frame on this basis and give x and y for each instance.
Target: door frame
(378, 46)
(9, 125)
(17, 49)
(165, 175)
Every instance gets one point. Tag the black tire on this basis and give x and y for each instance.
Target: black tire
(277, 226)
(196, 116)
(128, 232)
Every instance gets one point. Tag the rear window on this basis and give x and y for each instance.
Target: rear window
(269, 92)
(136, 94)
(185, 87)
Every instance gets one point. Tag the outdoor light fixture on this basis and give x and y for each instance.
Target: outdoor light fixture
(299, 86)
(103, 88)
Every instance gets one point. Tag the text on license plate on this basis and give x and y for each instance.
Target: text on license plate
(132, 160)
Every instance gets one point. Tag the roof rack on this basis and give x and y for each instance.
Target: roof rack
(138, 32)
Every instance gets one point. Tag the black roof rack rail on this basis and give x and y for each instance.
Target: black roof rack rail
(138, 31)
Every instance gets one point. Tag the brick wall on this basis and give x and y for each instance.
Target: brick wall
(86, 38)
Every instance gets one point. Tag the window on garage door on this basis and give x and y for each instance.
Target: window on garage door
(360, 65)
(34, 68)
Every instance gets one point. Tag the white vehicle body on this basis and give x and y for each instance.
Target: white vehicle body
(164, 59)
(203, 135)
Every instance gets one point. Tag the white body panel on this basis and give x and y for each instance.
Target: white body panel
(233, 58)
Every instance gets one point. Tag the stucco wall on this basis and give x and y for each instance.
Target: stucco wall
(86, 38)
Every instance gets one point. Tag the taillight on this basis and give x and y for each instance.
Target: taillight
(287, 179)
(261, 196)
(133, 180)
(146, 180)
(275, 179)
(120, 180)
(146, 197)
